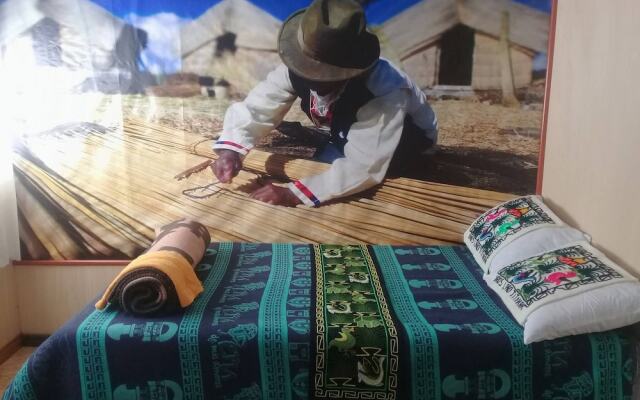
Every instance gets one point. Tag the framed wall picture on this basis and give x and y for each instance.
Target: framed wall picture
(115, 109)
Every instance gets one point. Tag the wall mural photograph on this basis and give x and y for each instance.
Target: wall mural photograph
(264, 123)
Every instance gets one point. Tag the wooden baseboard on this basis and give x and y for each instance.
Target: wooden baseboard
(33, 340)
(10, 348)
(20, 341)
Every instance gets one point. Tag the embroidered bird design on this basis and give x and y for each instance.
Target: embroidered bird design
(557, 278)
(360, 298)
(371, 371)
(511, 223)
(522, 277)
(337, 269)
(345, 340)
(332, 253)
(495, 215)
(518, 212)
(339, 307)
(572, 261)
(358, 277)
(485, 235)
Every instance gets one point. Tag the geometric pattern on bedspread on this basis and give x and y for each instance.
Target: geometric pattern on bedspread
(287, 321)
(356, 338)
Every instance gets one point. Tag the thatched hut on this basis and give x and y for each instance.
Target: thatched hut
(456, 42)
(234, 40)
(100, 49)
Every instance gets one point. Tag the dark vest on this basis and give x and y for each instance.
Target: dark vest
(355, 96)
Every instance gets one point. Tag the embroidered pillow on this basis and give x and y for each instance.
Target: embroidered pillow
(598, 310)
(511, 232)
(555, 276)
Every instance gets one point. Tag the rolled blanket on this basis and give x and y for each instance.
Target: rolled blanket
(163, 278)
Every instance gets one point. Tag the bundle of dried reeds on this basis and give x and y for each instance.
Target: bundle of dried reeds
(101, 194)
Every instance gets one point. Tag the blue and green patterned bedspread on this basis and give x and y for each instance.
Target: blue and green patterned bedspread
(282, 321)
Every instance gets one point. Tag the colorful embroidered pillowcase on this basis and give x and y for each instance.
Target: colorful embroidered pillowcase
(598, 310)
(570, 290)
(515, 230)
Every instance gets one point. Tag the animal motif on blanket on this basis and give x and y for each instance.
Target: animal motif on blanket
(338, 287)
(367, 321)
(336, 269)
(354, 262)
(345, 340)
(371, 370)
(339, 307)
(360, 298)
(332, 253)
(358, 277)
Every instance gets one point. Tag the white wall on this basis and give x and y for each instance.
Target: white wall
(50, 295)
(592, 161)
(9, 320)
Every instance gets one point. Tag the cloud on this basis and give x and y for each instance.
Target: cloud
(162, 55)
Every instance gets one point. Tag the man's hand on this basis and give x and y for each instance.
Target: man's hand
(227, 166)
(276, 195)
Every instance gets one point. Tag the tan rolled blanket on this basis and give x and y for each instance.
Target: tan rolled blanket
(162, 279)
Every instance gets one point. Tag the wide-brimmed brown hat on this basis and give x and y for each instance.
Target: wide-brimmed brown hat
(328, 41)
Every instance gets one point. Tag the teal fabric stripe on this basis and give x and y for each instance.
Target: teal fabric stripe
(190, 326)
(595, 363)
(92, 355)
(423, 340)
(273, 336)
(21, 388)
(522, 368)
(606, 353)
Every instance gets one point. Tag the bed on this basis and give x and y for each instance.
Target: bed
(288, 321)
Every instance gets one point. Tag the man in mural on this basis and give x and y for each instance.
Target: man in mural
(375, 116)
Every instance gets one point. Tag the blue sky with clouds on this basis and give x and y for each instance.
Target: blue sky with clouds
(162, 20)
(377, 10)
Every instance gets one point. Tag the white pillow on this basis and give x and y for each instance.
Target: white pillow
(597, 310)
(535, 242)
(515, 230)
(571, 290)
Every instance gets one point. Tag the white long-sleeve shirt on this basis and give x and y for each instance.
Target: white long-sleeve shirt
(372, 138)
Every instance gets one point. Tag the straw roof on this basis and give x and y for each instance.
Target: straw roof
(16, 16)
(422, 24)
(254, 27)
(100, 27)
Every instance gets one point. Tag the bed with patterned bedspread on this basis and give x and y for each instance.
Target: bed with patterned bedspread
(283, 321)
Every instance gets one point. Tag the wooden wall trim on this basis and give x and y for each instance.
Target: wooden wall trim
(33, 340)
(19, 341)
(547, 94)
(10, 348)
(72, 263)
